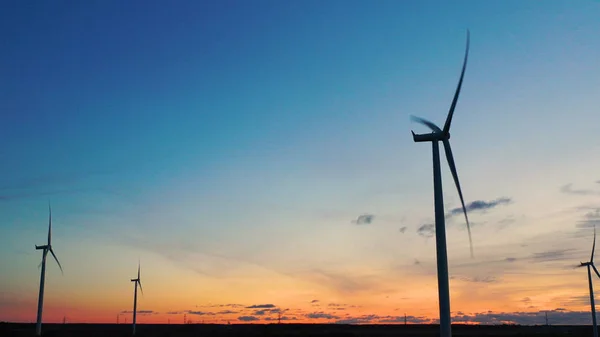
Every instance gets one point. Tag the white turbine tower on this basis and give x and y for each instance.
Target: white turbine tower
(440, 230)
(589, 270)
(137, 281)
(45, 249)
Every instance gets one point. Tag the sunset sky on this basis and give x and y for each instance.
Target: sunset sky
(231, 146)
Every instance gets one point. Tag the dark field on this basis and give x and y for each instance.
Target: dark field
(165, 330)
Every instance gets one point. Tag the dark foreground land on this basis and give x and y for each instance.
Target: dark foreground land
(242, 330)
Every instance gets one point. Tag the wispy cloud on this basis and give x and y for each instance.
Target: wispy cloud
(200, 313)
(568, 189)
(553, 255)
(426, 230)
(140, 312)
(590, 219)
(556, 316)
(365, 219)
(346, 284)
(321, 315)
(261, 306)
(403, 229)
(479, 205)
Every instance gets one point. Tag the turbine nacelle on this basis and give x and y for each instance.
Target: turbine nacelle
(41, 247)
(430, 137)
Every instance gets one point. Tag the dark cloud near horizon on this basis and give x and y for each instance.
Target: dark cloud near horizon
(321, 315)
(365, 219)
(140, 312)
(558, 316)
(479, 205)
(261, 306)
(314, 301)
(248, 318)
(201, 313)
(568, 189)
(426, 230)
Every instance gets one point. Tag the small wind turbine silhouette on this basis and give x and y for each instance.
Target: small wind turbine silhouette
(589, 264)
(45, 249)
(440, 228)
(137, 281)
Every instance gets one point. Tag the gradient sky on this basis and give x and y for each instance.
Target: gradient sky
(228, 145)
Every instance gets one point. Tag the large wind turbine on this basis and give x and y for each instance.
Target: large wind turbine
(45, 249)
(440, 230)
(137, 281)
(589, 270)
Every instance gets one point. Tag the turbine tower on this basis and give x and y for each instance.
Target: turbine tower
(45, 249)
(137, 281)
(590, 266)
(440, 229)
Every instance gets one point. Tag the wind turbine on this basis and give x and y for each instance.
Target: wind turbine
(440, 230)
(137, 281)
(45, 249)
(589, 270)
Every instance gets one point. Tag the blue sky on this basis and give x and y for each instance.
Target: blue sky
(224, 140)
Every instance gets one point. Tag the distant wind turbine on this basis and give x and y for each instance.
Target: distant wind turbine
(137, 281)
(45, 249)
(589, 270)
(440, 229)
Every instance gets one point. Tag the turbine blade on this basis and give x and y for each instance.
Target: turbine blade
(450, 159)
(140, 283)
(462, 74)
(595, 270)
(593, 245)
(138, 270)
(423, 121)
(40, 265)
(49, 224)
(55, 258)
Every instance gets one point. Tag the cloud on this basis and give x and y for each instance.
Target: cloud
(365, 219)
(346, 284)
(590, 219)
(477, 279)
(261, 306)
(426, 230)
(337, 305)
(314, 301)
(403, 229)
(248, 318)
(140, 312)
(568, 189)
(479, 205)
(557, 316)
(225, 312)
(321, 315)
(200, 313)
(553, 255)
(409, 319)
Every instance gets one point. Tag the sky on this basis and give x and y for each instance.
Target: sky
(256, 158)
